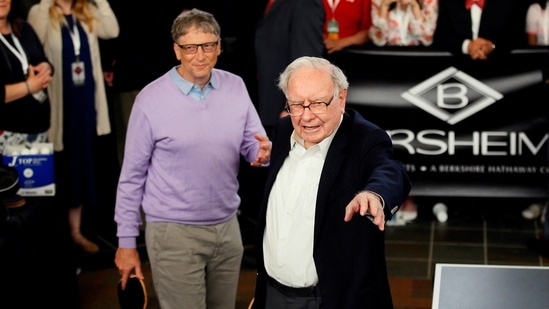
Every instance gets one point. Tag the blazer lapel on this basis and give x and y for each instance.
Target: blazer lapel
(280, 152)
(332, 165)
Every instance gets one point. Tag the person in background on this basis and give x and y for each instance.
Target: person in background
(333, 181)
(127, 73)
(346, 24)
(33, 230)
(26, 73)
(288, 29)
(537, 23)
(403, 22)
(537, 31)
(69, 31)
(480, 28)
(187, 132)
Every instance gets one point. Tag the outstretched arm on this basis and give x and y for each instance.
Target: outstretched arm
(369, 204)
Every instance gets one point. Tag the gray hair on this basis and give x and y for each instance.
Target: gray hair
(194, 18)
(337, 75)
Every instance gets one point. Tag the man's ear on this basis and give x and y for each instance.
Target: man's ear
(342, 99)
(176, 50)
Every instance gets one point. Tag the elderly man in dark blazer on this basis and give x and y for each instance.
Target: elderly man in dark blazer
(331, 186)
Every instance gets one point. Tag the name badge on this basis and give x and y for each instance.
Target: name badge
(78, 76)
(333, 29)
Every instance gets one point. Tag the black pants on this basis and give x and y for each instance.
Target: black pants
(281, 297)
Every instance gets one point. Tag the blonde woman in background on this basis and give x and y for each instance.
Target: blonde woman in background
(69, 31)
(403, 22)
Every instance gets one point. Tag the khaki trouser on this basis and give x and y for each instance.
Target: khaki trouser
(195, 267)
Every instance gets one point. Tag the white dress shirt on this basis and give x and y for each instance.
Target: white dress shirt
(476, 13)
(289, 230)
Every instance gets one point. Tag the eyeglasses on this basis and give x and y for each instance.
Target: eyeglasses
(316, 108)
(207, 47)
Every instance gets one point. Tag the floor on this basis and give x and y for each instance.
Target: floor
(490, 232)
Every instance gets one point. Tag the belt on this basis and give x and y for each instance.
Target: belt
(288, 291)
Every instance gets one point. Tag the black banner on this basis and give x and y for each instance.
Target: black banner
(462, 127)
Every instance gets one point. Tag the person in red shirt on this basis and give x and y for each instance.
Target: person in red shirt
(347, 23)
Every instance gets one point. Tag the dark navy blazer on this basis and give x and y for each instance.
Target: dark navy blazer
(349, 256)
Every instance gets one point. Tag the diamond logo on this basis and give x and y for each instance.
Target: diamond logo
(452, 95)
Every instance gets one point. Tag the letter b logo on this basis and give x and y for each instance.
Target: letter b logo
(452, 96)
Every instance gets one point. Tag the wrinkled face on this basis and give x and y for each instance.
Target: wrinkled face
(197, 67)
(312, 85)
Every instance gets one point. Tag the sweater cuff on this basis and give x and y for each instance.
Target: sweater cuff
(127, 242)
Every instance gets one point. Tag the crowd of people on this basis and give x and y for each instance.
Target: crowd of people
(194, 107)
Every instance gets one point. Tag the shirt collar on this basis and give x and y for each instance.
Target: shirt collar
(324, 145)
(185, 85)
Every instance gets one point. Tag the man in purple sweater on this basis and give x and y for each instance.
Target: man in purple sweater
(186, 133)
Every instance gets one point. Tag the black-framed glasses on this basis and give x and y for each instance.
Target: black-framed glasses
(316, 108)
(207, 47)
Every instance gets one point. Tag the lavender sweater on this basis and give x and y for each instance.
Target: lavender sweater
(182, 155)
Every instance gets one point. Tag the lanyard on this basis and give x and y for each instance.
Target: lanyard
(75, 35)
(333, 5)
(18, 51)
